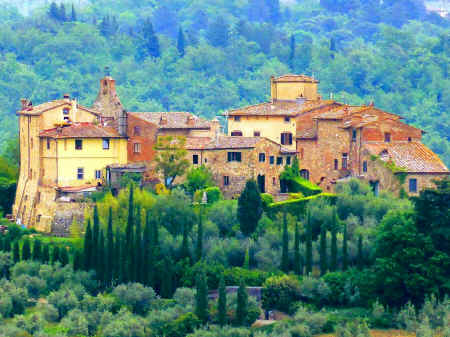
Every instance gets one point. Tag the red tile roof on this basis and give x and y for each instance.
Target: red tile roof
(295, 78)
(39, 109)
(279, 108)
(173, 120)
(81, 130)
(414, 157)
(228, 142)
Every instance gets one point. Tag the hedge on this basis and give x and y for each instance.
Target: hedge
(299, 184)
(298, 206)
(267, 199)
(213, 194)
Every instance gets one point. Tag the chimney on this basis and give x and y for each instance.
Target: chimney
(163, 120)
(25, 103)
(123, 123)
(66, 96)
(190, 120)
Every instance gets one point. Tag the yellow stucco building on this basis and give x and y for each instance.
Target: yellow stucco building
(64, 149)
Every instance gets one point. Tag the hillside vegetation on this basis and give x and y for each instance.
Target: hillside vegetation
(395, 54)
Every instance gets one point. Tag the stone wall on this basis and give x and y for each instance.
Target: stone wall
(146, 137)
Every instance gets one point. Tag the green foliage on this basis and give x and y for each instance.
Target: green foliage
(198, 178)
(280, 292)
(135, 297)
(249, 208)
(242, 305)
(297, 207)
(285, 246)
(182, 326)
(266, 199)
(299, 184)
(222, 303)
(201, 300)
(214, 194)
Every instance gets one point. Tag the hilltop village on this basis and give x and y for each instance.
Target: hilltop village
(67, 150)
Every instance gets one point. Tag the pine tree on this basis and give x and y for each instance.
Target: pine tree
(110, 261)
(249, 208)
(222, 303)
(138, 248)
(150, 40)
(45, 254)
(16, 252)
(298, 268)
(242, 305)
(201, 298)
(55, 254)
(345, 249)
(292, 52)
(88, 247)
(129, 241)
(285, 246)
(180, 42)
(308, 243)
(77, 260)
(333, 265)
(64, 257)
(26, 250)
(199, 245)
(37, 250)
(323, 250)
(73, 15)
(62, 13)
(53, 11)
(360, 252)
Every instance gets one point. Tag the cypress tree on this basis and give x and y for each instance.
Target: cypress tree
(345, 249)
(95, 239)
(242, 305)
(37, 250)
(1, 243)
(77, 260)
(292, 52)
(285, 246)
(222, 303)
(55, 254)
(6, 245)
(119, 269)
(333, 265)
(185, 254)
(308, 243)
(148, 251)
(199, 246)
(247, 259)
(323, 250)
(151, 42)
(129, 242)
(53, 11)
(88, 247)
(298, 268)
(64, 257)
(360, 252)
(167, 279)
(101, 259)
(45, 254)
(16, 252)
(138, 274)
(201, 298)
(249, 208)
(73, 15)
(26, 250)
(62, 13)
(110, 250)
(180, 42)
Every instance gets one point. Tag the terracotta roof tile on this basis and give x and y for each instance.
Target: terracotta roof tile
(39, 109)
(81, 130)
(279, 108)
(221, 142)
(173, 120)
(412, 156)
(295, 78)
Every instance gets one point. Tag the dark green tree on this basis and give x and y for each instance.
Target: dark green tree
(218, 32)
(308, 243)
(167, 278)
(185, 253)
(323, 250)
(62, 13)
(55, 254)
(53, 11)
(249, 208)
(285, 246)
(120, 257)
(345, 249)
(129, 240)
(78, 260)
(6, 245)
(334, 259)
(110, 258)
(360, 261)
(148, 251)
(45, 254)
(150, 40)
(138, 252)
(1, 243)
(242, 305)
(95, 240)
(222, 303)
(73, 14)
(87, 251)
(64, 257)
(26, 250)
(199, 243)
(180, 42)
(298, 265)
(16, 252)
(201, 298)
(101, 270)
(37, 250)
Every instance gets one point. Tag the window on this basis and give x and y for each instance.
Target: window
(274, 181)
(38, 197)
(136, 131)
(344, 160)
(234, 156)
(66, 119)
(78, 144)
(304, 174)
(38, 218)
(98, 174)
(409, 139)
(364, 166)
(387, 137)
(354, 135)
(236, 133)
(286, 138)
(336, 164)
(256, 134)
(262, 157)
(279, 160)
(226, 180)
(288, 160)
(206, 160)
(195, 159)
(287, 119)
(237, 118)
(80, 173)
(105, 143)
(48, 143)
(413, 185)
(66, 111)
(137, 147)
(271, 160)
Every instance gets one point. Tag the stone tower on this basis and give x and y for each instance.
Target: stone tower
(107, 101)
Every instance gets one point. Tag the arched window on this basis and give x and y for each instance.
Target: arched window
(286, 138)
(137, 131)
(236, 133)
(304, 174)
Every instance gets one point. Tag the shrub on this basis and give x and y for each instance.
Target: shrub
(64, 301)
(50, 313)
(297, 206)
(5, 264)
(185, 297)
(76, 323)
(34, 285)
(224, 215)
(300, 330)
(182, 325)
(314, 290)
(299, 184)
(353, 329)
(266, 199)
(136, 296)
(315, 321)
(198, 178)
(125, 324)
(407, 318)
(212, 193)
(279, 292)
(252, 278)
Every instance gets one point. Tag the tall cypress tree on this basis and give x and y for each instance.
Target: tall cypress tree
(360, 262)
(345, 249)
(185, 254)
(87, 251)
(53, 11)
(180, 42)
(95, 239)
(323, 250)
(242, 305)
(73, 15)
(45, 254)
(334, 224)
(150, 40)
(298, 268)
(129, 241)
(55, 254)
(1, 243)
(308, 243)
(26, 250)
(201, 298)
(110, 261)
(16, 252)
(120, 257)
(64, 257)
(249, 208)
(78, 260)
(7, 245)
(199, 245)
(167, 279)
(285, 246)
(148, 251)
(101, 277)
(222, 303)
(62, 13)
(37, 250)
(138, 253)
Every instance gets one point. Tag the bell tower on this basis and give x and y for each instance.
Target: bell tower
(107, 101)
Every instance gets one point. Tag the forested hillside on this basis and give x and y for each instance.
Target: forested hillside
(210, 55)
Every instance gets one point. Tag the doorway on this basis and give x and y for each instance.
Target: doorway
(262, 183)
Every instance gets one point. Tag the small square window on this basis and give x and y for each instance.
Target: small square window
(336, 164)
(98, 174)
(137, 131)
(78, 144)
(105, 143)
(364, 166)
(287, 119)
(288, 160)
(274, 181)
(256, 134)
(237, 118)
(271, 160)
(354, 135)
(137, 147)
(226, 180)
(413, 185)
(279, 160)
(195, 159)
(344, 160)
(262, 157)
(234, 156)
(66, 111)
(80, 173)
(48, 143)
(387, 137)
